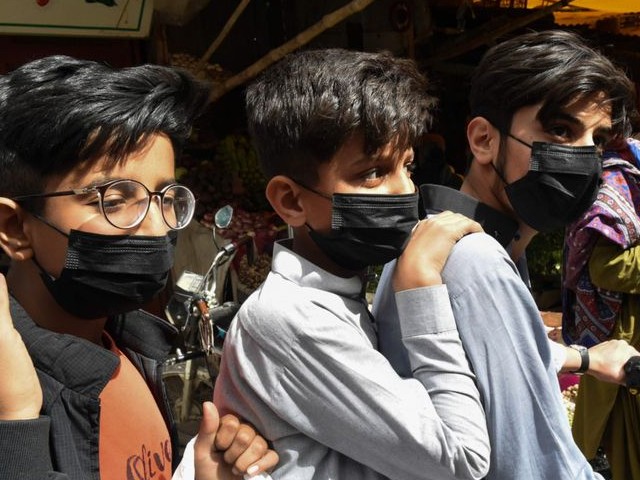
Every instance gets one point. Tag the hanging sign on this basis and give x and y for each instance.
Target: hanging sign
(87, 18)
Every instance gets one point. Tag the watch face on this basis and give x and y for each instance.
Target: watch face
(632, 370)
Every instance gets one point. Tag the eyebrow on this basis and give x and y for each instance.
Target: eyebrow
(561, 115)
(98, 181)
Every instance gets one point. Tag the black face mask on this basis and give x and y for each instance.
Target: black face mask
(367, 229)
(108, 275)
(562, 182)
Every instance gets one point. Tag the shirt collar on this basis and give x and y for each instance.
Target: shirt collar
(437, 198)
(297, 269)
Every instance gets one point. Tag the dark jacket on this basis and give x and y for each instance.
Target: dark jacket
(63, 442)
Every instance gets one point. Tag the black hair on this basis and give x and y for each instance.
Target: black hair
(59, 113)
(304, 108)
(552, 67)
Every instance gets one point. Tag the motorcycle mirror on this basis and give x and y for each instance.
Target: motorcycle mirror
(223, 216)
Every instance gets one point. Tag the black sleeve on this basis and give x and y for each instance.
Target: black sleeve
(25, 452)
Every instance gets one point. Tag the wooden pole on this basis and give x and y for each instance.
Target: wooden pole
(298, 41)
(222, 35)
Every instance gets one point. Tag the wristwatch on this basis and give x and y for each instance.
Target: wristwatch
(632, 371)
(584, 358)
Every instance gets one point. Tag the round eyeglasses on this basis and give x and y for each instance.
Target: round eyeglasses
(125, 203)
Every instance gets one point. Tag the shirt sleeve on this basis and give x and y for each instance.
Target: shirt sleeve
(24, 449)
(612, 268)
(439, 362)
(332, 385)
(558, 355)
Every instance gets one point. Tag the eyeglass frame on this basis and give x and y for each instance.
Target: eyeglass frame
(100, 189)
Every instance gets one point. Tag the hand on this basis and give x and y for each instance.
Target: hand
(422, 261)
(20, 391)
(226, 448)
(607, 359)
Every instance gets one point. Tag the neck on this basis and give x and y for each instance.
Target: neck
(483, 184)
(304, 246)
(25, 284)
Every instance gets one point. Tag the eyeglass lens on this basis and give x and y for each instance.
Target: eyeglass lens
(125, 204)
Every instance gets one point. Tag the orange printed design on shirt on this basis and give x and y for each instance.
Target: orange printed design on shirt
(134, 439)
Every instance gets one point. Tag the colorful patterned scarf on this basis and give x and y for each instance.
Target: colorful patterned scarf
(589, 312)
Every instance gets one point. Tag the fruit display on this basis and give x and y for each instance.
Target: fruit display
(236, 156)
(229, 174)
(569, 396)
(263, 226)
(251, 275)
(211, 72)
(203, 177)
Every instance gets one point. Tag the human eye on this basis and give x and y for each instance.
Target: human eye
(372, 175)
(114, 201)
(560, 132)
(410, 167)
(168, 200)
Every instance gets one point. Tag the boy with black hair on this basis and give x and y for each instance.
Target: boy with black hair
(334, 130)
(89, 212)
(543, 105)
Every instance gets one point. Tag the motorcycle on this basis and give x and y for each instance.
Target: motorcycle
(201, 308)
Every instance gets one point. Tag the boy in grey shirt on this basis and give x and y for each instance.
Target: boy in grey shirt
(334, 131)
(542, 105)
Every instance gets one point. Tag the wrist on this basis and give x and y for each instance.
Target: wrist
(584, 359)
(407, 281)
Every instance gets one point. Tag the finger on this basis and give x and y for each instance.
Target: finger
(207, 433)
(267, 463)
(227, 431)
(242, 441)
(249, 454)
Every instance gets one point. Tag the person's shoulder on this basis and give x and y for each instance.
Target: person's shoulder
(478, 248)
(475, 255)
(278, 309)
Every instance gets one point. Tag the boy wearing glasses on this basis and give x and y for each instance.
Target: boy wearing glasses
(89, 212)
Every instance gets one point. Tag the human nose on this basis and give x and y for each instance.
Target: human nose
(402, 183)
(588, 139)
(153, 223)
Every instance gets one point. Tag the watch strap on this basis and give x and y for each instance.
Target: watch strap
(632, 372)
(584, 358)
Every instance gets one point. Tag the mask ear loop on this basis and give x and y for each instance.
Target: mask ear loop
(49, 224)
(519, 140)
(320, 194)
(498, 172)
(313, 190)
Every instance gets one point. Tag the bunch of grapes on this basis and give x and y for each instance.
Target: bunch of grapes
(236, 155)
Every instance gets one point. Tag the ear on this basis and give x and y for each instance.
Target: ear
(484, 140)
(284, 196)
(13, 238)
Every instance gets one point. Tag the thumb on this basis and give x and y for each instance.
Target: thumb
(205, 441)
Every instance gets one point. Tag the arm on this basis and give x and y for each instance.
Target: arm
(24, 435)
(329, 383)
(506, 343)
(615, 269)
(610, 268)
(301, 365)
